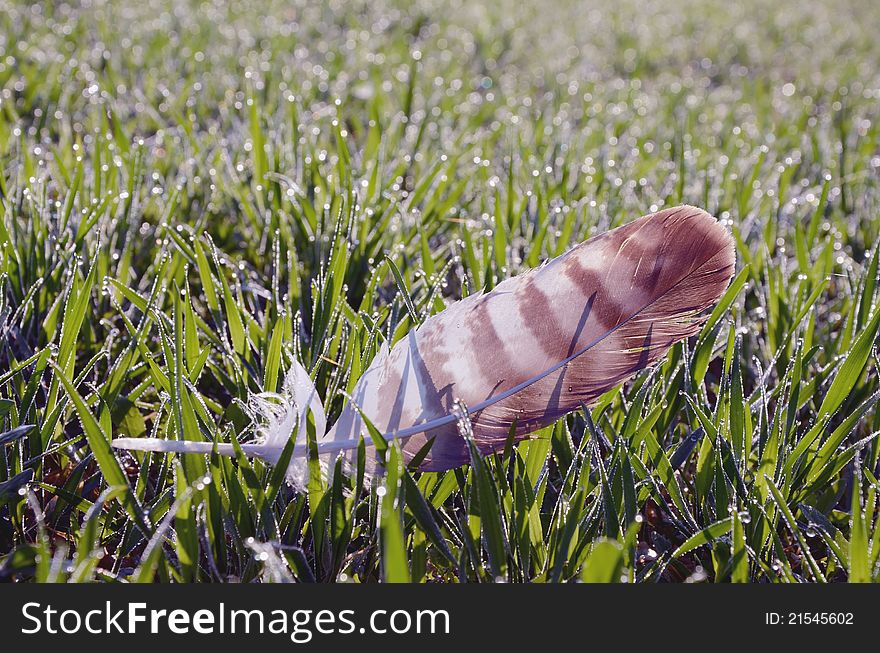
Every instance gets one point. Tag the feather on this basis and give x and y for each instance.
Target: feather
(536, 347)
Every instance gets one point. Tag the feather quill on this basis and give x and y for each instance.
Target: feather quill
(538, 346)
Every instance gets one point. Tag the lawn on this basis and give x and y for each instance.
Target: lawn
(192, 195)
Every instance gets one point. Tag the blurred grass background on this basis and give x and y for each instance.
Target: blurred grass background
(194, 193)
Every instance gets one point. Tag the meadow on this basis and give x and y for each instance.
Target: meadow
(193, 194)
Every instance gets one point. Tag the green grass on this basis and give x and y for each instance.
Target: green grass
(192, 195)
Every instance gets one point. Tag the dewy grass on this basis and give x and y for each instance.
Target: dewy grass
(193, 194)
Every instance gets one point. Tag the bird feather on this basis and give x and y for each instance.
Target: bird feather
(537, 346)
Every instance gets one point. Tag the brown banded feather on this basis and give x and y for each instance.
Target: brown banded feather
(536, 347)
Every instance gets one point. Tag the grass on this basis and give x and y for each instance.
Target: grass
(191, 195)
